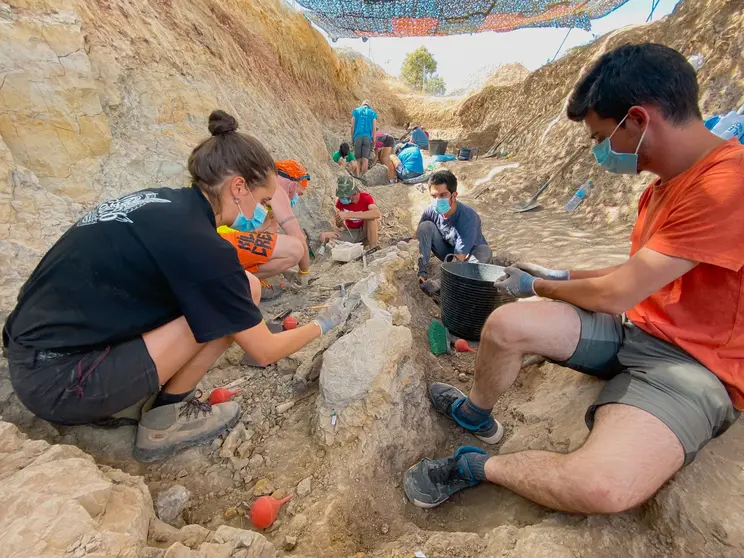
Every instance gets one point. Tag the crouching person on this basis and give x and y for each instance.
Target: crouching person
(113, 314)
(357, 215)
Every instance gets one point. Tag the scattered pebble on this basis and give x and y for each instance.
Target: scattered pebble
(463, 377)
(263, 488)
(182, 473)
(385, 529)
(305, 486)
(231, 513)
(284, 407)
(289, 542)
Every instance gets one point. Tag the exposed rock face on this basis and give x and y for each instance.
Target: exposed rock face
(55, 501)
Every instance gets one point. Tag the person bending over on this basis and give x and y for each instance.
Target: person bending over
(384, 145)
(262, 250)
(674, 366)
(448, 227)
(356, 217)
(346, 159)
(408, 162)
(113, 314)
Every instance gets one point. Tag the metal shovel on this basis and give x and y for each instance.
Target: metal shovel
(527, 205)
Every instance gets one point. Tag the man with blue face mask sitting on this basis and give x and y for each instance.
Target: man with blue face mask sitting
(447, 227)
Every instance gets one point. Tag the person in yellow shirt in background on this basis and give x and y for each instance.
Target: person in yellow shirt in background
(263, 251)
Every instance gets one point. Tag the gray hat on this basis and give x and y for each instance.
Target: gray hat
(346, 187)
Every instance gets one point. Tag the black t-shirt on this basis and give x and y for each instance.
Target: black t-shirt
(130, 266)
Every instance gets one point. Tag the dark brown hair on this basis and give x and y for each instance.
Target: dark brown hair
(227, 152)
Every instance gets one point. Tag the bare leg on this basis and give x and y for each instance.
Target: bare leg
(255, 287)
(287, 253)
(385, 160)
(549, 329)
(354, 168)
(372, 232)
(365, 165)
(628, 456)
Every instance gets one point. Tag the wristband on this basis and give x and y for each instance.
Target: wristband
(301, 272)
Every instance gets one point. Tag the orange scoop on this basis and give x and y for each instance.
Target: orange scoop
(265, 509)
(220, 395)
(461, 346)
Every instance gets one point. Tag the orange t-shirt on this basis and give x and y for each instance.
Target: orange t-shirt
(699, 216)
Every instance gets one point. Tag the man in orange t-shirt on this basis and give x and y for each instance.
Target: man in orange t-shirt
(675, 366)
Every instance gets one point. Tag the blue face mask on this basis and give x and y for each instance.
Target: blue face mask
(293, 201)
(344, 201)
(441, 206)
(617, 163)
(243, 224)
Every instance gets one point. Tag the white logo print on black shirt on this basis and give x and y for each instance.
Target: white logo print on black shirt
(118, 209)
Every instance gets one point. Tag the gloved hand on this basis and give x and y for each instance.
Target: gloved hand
(332, 317)
(543, 272)
(516, 283)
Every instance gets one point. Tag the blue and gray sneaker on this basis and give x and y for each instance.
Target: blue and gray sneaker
(446, 399)
(432, 481)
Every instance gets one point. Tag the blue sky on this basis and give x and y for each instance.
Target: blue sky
(461, 56)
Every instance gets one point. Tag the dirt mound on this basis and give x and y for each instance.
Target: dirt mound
(530, 115)
(500, 75)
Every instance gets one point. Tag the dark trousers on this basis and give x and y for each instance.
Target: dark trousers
(431, 240)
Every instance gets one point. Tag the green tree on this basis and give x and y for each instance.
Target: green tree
(417, 67)
(435, 85)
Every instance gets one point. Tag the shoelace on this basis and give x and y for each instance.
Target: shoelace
(446, 473)
(193, 407)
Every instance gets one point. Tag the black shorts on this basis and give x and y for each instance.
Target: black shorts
(79, 388)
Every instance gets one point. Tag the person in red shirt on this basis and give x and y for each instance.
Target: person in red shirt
(357, 215)
(674, 367)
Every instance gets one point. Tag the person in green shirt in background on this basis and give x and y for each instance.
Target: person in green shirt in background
(346, 159)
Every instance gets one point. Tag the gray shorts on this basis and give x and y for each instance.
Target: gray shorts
(353, 235)
(650, 374)
(362, 147)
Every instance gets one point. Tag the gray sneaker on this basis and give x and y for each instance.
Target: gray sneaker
(167, 429)
(446, 399)
(432, 481)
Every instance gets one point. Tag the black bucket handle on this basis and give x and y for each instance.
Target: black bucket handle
(449, 257)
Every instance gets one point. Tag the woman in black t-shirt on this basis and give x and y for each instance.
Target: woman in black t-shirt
(141, 296)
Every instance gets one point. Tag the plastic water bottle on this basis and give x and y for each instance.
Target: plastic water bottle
(583, 191)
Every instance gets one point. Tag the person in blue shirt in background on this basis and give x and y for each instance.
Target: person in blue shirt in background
(420, 138)
(408, 161)
(447, 227)
(363, 130)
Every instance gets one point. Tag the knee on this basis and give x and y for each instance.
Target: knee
(425, 228)
(502, 330)
(295, 250)
(602, 493)
(255, 284)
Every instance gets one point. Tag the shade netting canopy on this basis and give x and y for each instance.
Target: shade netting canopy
(418, 18)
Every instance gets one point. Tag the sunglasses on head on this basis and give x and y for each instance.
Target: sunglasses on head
(292, 178)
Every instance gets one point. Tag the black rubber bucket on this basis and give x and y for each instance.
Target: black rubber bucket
(468, 297)
(437, 147)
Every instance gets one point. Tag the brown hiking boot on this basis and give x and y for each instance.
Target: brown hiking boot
(167, 429)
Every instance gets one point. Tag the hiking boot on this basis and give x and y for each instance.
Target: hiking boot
(270, 291)
(432, 481)
(169, 428)
(129, 416)
(446, 399)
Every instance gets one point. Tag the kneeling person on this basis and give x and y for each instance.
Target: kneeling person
(448, 227)
(408, 162)
(356, 216)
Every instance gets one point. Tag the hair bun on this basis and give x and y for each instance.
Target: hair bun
(221, 123)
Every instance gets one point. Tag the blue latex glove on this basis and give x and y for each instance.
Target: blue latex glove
(332, 317)
(517, 283)
(543, 272)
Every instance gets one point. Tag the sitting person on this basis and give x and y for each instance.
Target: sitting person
(114, 314)
(447, 227)
(384, 146)
(346, 159)
(408, 162)
(420, 137)
(356, 217)
(261, 250)
(673, 364)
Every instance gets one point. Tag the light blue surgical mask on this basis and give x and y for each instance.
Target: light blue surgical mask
(293, 201)
(344, 201)
(441, 206)
(243, 224)
(617, 163)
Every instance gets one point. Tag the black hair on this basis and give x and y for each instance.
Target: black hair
(633, 75)
(444, 177)
(227, 152)
(344, 149)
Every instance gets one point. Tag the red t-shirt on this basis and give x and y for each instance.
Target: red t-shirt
(699, 216)
(365, 200)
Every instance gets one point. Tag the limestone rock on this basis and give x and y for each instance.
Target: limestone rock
(232, 441)
(352, 363)
(178, 550)
(376, 176)
(194, 535)
(305, 486)
(170, 503)
(263, 487)
(234, 538)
